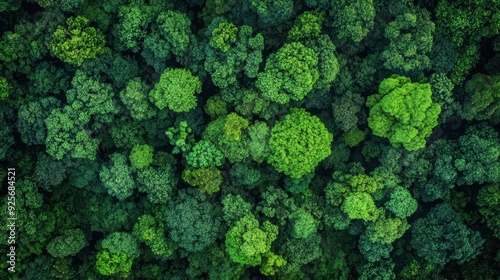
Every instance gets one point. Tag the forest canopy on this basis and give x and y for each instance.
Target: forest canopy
(252, 139)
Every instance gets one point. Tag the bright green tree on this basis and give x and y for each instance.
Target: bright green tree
(141, 156)
(360, 205)
(176, 90)
(110, 264)
(247, 242)
(78, 41)
(298, 143)
(403, 112)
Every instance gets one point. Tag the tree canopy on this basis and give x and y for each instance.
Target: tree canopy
(250, 139)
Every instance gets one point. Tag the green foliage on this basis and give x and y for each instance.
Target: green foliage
(67, 134)
(92, 98)
(478, 155)
(180, 137)
(228, 133)
(47, 79)
(271, 13)
(441, 237)
(246, 175)
(298, 143)
(25, 45)
(247, 242)
(171, 35)
(109, 264)
(271, 264)
(191, 221)
(302, 224)
(176, 90)
(345, 110)
(235, 208)
(298, 252)
(442, 94)
(243, 180)
(208, 180)
(258, 146)
(354, 138)
(410, 35)
(360, 205)
(134, 97)
(215, 106)
(121, 243)
(233, 126)
(352, 20)
(298, 185)
(78, 42)
(10, 5)
(247, 102)
(488, 199)
(106, 215)
(117, 178)
(383, 270)
(468, 21)
(131, 29)
(69, 244)
(159, 179)
(403, 112)
(49, 172)
(204, 154)
(231, 52)
(141, 156)
(30, 122)
(151, 231)
(401, 203)
(85, 173)
(223, 36)
(290, 73)
(386, 230)
(482, 98)
(328, 65)
(307, 25)
(5, 88)
(374, 251)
